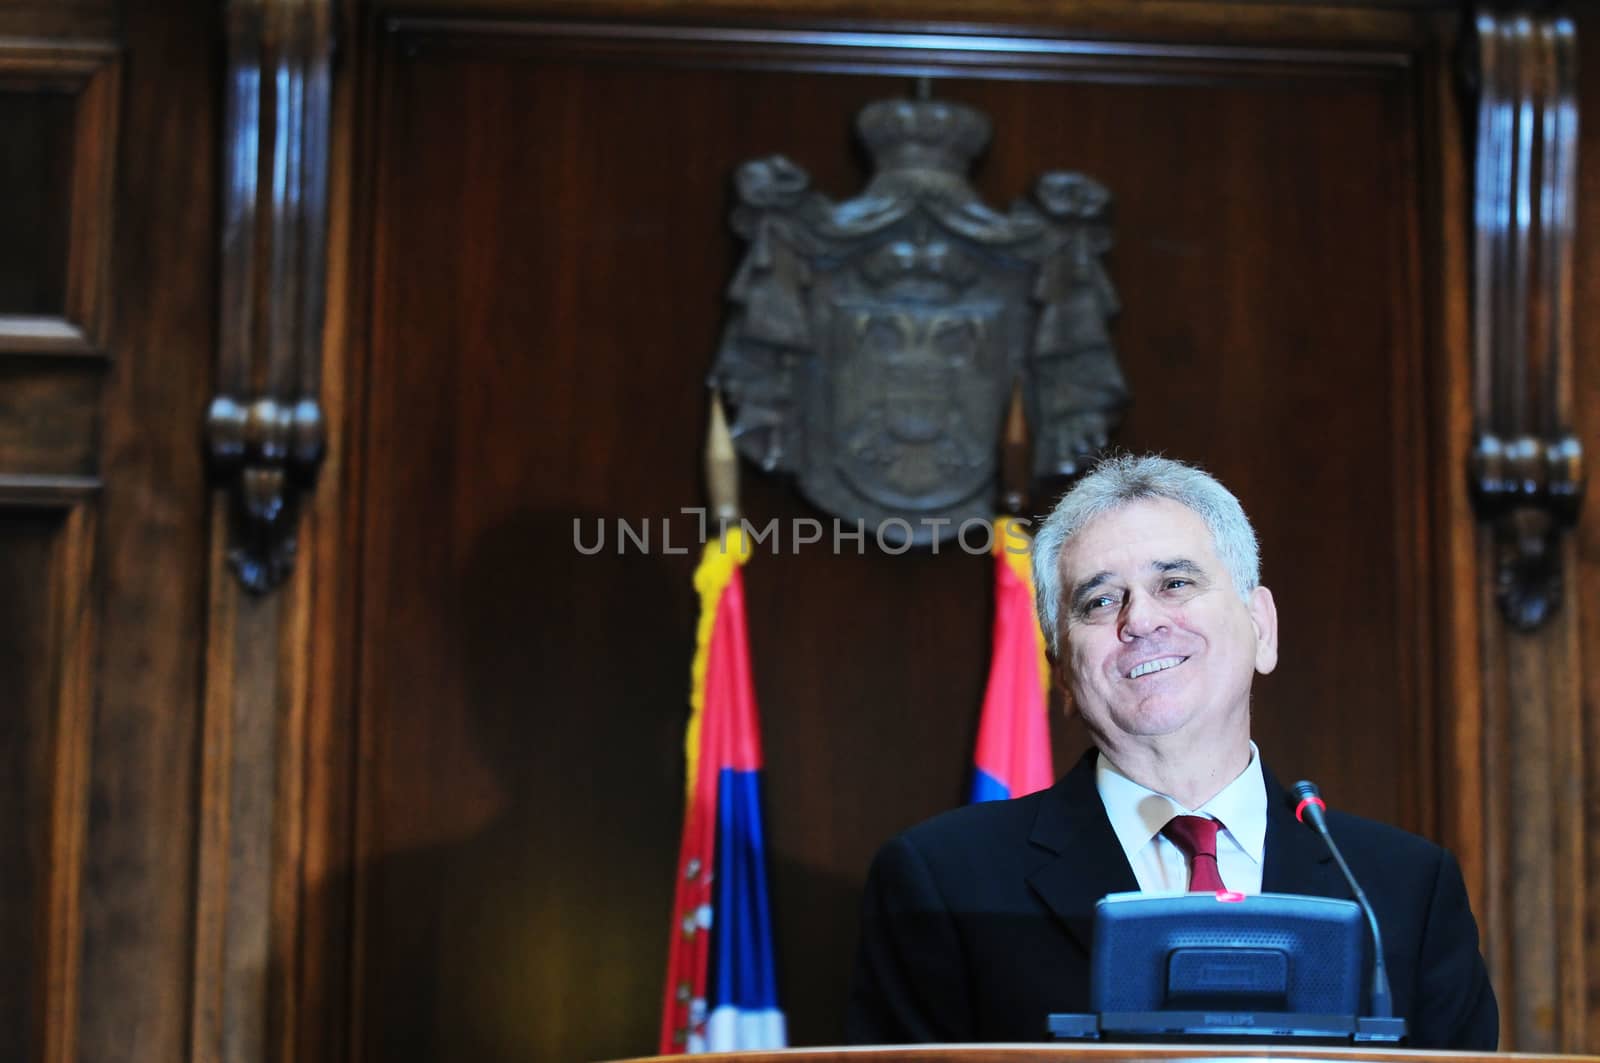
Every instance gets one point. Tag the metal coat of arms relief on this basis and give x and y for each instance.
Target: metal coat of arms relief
(874, 344)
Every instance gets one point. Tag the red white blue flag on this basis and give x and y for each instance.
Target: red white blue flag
(721, 993)
(1013, 751)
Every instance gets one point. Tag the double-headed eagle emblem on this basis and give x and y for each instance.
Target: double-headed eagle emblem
(874, 344)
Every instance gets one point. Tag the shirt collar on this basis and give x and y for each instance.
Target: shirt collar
(1138, 813)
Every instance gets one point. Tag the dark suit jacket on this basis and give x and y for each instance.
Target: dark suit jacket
(977, 924)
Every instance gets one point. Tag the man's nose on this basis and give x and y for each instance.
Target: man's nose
(1141, 616)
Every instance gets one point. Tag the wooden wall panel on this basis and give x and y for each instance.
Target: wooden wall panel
(34, 181)
(58, 101)
(61, 157)
(548, 250)
(29, 662)
(139, 903)
(58, 20)
(1586, 404)
(46, 658)
(48, 419)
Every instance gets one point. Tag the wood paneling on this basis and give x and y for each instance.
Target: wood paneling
(33, 201)
(60, 20)
(29, 662)
(61, 165)
(48, 420)
(58, 106)
(520, 707)
(1586, 404)
(46, 656)
(24, 747)
(139, 899)
(1380, 22)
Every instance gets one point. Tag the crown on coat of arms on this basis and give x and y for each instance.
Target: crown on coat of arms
(902, 134)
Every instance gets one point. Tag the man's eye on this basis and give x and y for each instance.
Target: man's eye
(1176, 583)
(1098, 602)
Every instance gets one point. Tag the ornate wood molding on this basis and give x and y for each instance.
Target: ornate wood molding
(1527, 482)
(1527, 463)
(265, 435)
(265, 426)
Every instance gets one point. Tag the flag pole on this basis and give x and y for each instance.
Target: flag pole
(721, 992)
(1014, 464)
(1012, 756)
(722, 464)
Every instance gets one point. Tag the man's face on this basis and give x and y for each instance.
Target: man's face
(1156, 641)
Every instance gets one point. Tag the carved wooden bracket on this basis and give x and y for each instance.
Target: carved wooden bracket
(265, 426)
(1526, 463)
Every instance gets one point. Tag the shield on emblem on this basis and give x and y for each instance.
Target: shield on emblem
(917, 401)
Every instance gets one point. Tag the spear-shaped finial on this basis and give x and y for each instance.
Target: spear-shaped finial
(722, 464)
(1015, 464)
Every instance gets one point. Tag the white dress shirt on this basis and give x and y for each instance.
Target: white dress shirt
(1138, 813)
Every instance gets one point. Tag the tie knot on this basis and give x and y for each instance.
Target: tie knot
(1195, 835)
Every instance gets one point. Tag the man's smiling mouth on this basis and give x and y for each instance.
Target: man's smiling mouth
(1160, 664)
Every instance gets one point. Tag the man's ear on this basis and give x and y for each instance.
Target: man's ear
(1063, 682)
(1264, 617)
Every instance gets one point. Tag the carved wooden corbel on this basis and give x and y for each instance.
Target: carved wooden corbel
(1527, 463)
(265, 426)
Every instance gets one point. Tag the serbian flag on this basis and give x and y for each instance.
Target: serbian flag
(1013, 754)
(721, 993)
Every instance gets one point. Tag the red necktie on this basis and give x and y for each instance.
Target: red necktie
(1197, 837)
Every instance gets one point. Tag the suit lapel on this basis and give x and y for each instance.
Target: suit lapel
(1087, 860)
(1297, 860)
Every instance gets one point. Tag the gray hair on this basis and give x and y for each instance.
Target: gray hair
(1126, 478)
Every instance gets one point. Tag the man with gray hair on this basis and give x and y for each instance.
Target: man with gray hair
(977, 924)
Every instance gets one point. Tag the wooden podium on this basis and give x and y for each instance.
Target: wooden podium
(1102, 1053)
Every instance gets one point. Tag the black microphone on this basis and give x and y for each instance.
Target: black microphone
(1308, 810)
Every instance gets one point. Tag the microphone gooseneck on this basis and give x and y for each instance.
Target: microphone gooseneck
(1309, 809)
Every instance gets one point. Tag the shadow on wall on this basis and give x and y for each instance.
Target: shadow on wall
(539, 933)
